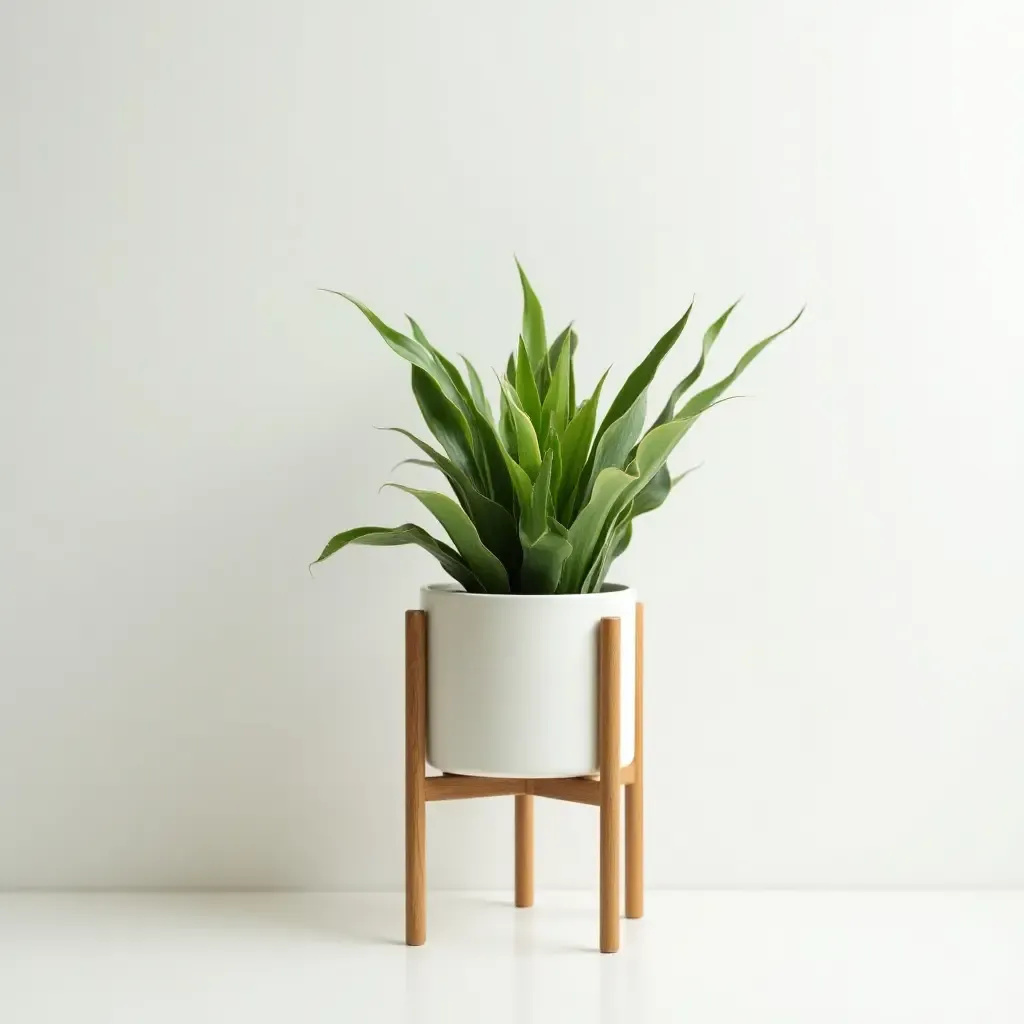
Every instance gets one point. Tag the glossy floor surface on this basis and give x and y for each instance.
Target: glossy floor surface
(696, 958)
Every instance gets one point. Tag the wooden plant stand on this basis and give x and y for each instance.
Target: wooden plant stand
(603, 790)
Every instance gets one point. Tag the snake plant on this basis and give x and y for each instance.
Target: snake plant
(545, 493)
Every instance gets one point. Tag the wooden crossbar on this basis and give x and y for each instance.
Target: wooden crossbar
(584, 789)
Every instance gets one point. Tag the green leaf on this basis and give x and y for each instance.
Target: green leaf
(573, 342)
(506, 427)
(445, 421)
(639, 380)
(534, 519)
(554, 410)
(458, 478)
(555, 352)
(682, 476)
(613, 490)
(490, 450)
(485, 565)
(407, 533)
(546, 368)
(655, 448)
(691, 420)
(616, 541)
(522, 485)
(543, 560)
(599, 567)
(527, 446)
(494, 523)
(465, 398)
(623, 535)
(575, 448)
(460, 482)
(408, 349)
(617, 442)
(556, 527)
(587, 532)
(706, 398)
(496, 526)
(465, 403)
(476, 389)
(654, 493)
(497, 531)
(554, 446)
(533, 331)
(414, 351)
(567, 501)
(423, 463)
(526, 386)
(710, 336)
(657, 491)
(636, 385)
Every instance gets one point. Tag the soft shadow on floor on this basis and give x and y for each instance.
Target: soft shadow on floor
(348, 917)
(453, 920)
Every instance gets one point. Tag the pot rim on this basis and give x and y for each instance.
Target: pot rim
(454, 590)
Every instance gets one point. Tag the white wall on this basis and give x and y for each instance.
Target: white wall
(836, 659)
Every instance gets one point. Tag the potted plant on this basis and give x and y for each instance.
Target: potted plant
(544, 494)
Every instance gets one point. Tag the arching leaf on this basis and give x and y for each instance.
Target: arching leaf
(710, 336)
(485, 565)
(407, 533)
(464, 398)
(445, 421)
(704, 399)
(494, 522)
(614, 446)
(639, 380)
(490, 449)
(420, 355)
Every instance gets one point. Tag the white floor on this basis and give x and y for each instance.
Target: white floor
(698, 958)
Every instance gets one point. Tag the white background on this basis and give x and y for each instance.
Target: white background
(835, 688)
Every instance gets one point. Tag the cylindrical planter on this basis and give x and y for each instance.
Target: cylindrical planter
(512, 683)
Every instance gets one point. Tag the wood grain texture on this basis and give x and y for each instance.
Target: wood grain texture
(524, 850)
(609, 726)
(635, 790)
(465, 787)
(578, 790)
(415, 781)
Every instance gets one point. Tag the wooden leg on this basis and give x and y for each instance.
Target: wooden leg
(611, 789)
(524, 850)
(415, 777)
(635, 791)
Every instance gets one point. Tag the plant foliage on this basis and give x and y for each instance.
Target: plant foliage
(544, 492)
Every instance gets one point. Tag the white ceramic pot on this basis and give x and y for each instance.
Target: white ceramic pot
(512, 686)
